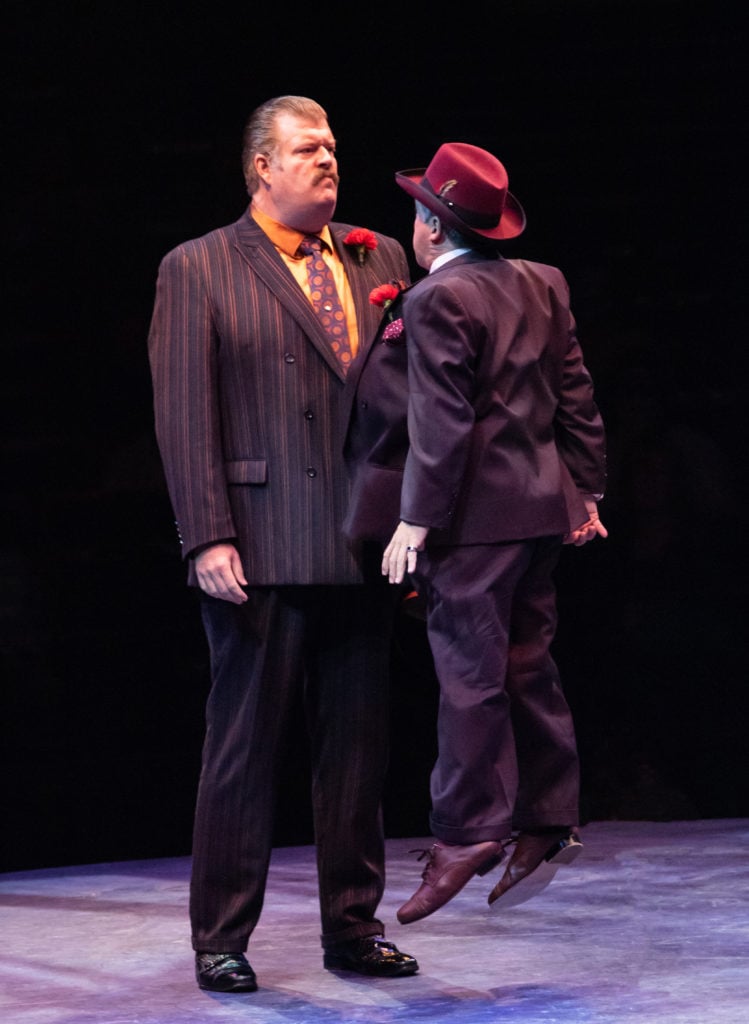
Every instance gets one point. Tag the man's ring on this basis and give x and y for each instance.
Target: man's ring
(409, 548)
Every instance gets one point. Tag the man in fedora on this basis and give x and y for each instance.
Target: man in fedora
(475, 399)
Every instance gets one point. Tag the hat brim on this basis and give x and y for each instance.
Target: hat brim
(511, 223)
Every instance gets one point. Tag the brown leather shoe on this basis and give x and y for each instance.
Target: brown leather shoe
(449, 868)
(533, 864)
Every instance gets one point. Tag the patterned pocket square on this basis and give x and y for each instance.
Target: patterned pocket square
(393, 331)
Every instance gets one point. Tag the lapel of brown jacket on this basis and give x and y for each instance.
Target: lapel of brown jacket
(255, 247)
(362, 279)
(375, 271)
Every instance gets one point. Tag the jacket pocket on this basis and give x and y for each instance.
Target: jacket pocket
(246, 471)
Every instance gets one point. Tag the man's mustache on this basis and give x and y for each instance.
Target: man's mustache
(327, 174)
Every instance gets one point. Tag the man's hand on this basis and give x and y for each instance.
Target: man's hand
(590, 529)
(399, 556)
(220, 573)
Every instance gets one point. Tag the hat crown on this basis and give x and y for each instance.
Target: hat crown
(468, 188)
(469, 180)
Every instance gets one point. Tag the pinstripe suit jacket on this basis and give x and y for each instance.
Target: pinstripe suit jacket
(247, 402)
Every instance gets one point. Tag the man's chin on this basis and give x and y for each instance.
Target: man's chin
(326, 205)
(316, 214)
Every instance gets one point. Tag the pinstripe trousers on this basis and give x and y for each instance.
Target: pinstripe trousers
(328, 648)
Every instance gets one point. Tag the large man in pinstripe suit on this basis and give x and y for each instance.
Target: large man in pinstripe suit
(247, 392)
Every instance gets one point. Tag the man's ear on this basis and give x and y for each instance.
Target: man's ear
(262, 167)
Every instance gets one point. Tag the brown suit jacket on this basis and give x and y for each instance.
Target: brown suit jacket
(247, 402)
(376, 440)
(507, 436)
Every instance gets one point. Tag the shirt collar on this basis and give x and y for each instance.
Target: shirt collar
(444, 257)
(283, 237)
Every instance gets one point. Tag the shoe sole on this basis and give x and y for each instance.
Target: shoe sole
(238, 986)
(539, 879)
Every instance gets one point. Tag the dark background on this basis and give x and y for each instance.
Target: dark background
(623, 129)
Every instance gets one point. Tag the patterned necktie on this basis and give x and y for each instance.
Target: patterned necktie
(325, 299)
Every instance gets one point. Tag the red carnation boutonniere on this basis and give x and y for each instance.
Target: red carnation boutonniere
(384, 295)
(363, 241)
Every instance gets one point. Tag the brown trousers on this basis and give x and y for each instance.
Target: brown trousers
(507, 755)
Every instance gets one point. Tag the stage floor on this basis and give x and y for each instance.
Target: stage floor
(650, 925)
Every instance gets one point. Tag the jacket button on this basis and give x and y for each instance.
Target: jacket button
(289, 357)
(311, 471)
(308, 414)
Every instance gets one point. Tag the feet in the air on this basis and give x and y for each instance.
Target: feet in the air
(537, 856)
(449, 867)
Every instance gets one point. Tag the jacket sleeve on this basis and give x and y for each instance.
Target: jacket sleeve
(182, 346)
(579, 428)
(441, 381)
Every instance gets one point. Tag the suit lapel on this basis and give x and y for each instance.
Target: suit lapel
(258, 250)
(384, 319)
(260, 253)
(362, 279)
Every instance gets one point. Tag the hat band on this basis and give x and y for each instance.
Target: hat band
(471, 217)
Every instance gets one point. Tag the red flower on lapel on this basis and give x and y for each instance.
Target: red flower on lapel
(384, 295)
(362, 240)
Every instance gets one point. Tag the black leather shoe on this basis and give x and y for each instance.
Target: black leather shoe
(533, 864)
(370, 955)
(224, 972)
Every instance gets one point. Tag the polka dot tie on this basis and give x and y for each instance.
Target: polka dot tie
(325, 299)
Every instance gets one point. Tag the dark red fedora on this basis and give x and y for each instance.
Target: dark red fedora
(467, 188)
